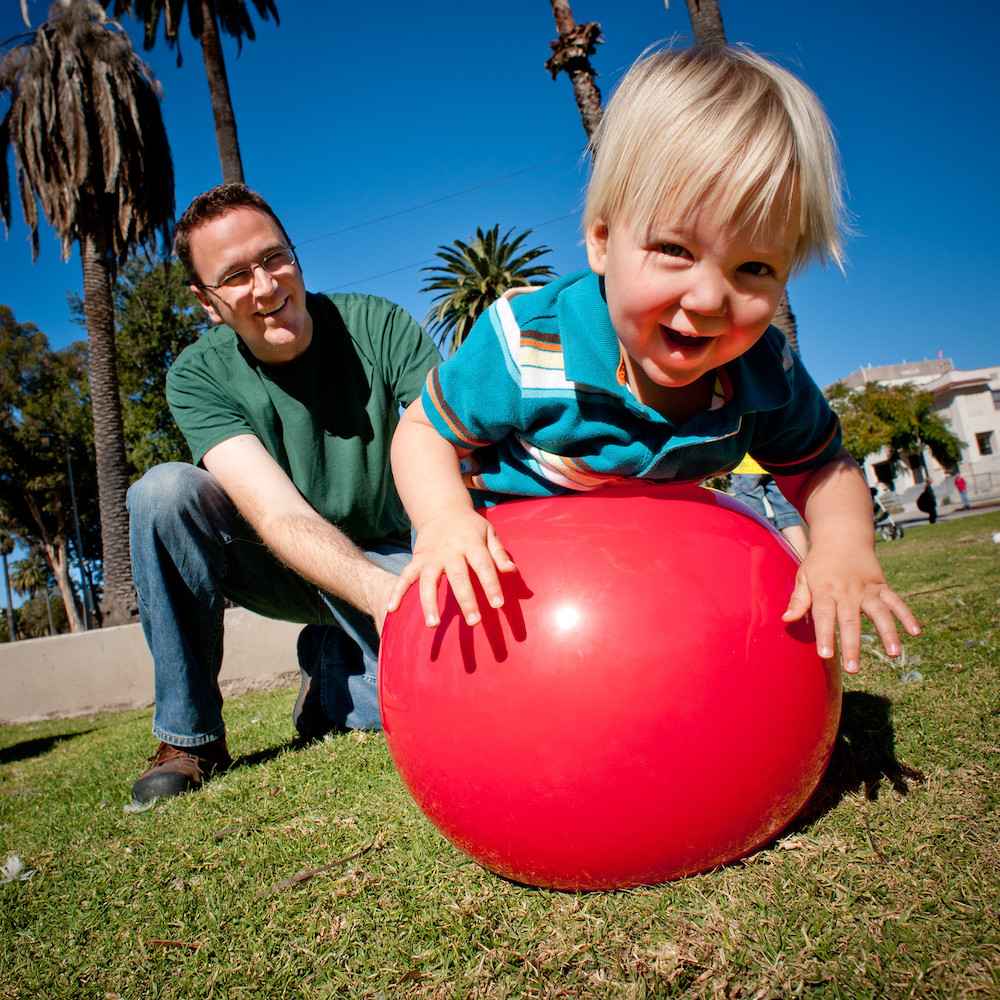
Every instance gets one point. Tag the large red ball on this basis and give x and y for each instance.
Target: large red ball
(636, 712)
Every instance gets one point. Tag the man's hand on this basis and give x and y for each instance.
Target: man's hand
(294, 531)
(453, 542)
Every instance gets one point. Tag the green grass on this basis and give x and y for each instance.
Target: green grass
(888, 887)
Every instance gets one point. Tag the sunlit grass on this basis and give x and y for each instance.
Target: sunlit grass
(308, 872)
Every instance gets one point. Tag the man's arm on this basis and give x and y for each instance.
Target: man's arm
(294, 531)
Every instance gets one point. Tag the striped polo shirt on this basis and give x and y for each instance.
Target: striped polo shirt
(535, 391)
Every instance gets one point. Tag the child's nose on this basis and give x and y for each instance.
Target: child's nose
(706, 294)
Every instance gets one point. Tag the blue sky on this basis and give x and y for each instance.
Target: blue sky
(380, 131)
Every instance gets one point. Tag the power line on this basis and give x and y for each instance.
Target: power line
(428, 260)
(437, 201)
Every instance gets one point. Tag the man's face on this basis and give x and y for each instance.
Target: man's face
(269, 313)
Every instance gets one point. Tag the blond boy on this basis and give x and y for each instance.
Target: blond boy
(715, 179)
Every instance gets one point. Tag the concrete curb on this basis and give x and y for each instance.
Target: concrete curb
(110, 669)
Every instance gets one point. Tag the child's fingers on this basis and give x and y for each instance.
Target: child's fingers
(501, 559)
(903, 614)
(483, 565)
(849, 626)
(429, 598)
(799, 602)
(403, 583)
(461, 586)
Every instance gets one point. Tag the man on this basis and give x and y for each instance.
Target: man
(288, 406)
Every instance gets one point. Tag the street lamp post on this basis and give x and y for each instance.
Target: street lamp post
(47, 439)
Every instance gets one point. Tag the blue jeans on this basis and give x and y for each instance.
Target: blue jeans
(191, 550)
(752, 490)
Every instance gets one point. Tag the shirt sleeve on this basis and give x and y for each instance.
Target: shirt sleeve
(204, 410)
(474, 397)
(801, 435)
(407, 354)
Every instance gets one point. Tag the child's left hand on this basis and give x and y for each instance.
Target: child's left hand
(839, 583)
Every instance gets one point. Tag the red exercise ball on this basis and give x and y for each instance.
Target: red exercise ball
(636, 712)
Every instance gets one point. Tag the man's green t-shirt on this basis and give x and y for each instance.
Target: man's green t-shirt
(326, 418)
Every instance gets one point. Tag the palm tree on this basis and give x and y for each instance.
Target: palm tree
(571, 53)
(89, 144)
(205, 18)
(6, 548)
(706, 22)
(31, 575)
(472, 275)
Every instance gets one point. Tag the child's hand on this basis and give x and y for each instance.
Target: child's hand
(840, 584)
(454, 541)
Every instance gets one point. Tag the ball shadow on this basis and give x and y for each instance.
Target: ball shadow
(864, 756)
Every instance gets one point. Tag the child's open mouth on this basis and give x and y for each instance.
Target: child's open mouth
(682, 339)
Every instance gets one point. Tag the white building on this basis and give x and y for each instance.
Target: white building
(970, 403)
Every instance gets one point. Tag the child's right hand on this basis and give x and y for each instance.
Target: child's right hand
(453, 542)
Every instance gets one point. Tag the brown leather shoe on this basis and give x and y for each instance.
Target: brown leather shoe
(174, 770)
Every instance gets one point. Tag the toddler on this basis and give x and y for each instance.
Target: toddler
(715, 177)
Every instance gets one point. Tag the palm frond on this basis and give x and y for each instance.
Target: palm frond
(471, 276)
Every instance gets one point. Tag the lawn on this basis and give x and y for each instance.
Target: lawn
(308, 872)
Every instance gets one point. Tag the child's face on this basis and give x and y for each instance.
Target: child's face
(695, 294)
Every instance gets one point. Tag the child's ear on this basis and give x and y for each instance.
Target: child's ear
(597, 245)
(206, 302)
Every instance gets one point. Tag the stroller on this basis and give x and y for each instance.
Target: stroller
(884, 524)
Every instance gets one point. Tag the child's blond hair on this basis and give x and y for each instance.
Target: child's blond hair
(685, 124)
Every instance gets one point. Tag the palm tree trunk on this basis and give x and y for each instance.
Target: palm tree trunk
(48, 611)
(571, 53)
(119, 602)
(784, 320)
(11, 631)
(218, 89)
(706, 22)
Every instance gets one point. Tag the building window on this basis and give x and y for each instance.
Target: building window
(984, 441)
(996, 398)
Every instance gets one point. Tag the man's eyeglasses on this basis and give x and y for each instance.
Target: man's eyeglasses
(273, 263)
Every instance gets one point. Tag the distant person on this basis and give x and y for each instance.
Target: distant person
(288, 406)
(963, 495)
(927, 502)
(714, 179)
(751, 484)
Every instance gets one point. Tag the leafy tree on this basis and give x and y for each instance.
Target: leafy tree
(571, 53)
(473, 275)
(41, 390)
(900, 418)
(205, 18)
(156, 317)
(29, 576)
(89, 142)
(38, 617)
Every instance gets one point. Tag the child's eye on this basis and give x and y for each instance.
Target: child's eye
(673, 250)
(757, 268)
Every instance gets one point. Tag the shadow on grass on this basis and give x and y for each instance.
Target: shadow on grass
(864, 756)
(263, 756)
(36, 747)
